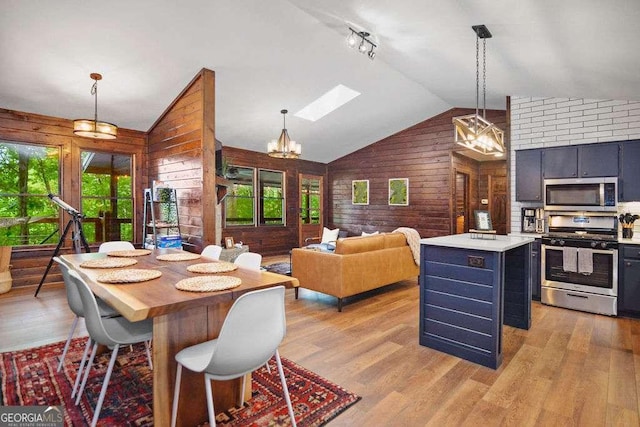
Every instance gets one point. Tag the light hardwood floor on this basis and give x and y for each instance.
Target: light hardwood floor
(570, 368)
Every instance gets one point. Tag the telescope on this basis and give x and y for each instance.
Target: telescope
(67, 207)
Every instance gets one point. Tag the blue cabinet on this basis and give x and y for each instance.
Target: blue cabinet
(529, 175)
(560, 162)
(581, 161)
(629, 280)
(536, 284)
(466, 295)
(629, 180)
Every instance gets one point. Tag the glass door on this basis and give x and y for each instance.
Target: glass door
(311, 215)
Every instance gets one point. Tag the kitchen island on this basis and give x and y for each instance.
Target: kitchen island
(468, 289)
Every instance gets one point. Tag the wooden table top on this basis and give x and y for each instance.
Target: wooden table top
(143, 300)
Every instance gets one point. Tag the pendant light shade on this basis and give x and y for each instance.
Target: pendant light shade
(474, 131)
(284, 147)
(93, 128)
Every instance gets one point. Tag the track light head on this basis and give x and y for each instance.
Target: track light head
(351, 40)
(371, 54)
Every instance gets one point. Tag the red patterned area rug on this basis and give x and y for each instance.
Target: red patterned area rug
(30, 377)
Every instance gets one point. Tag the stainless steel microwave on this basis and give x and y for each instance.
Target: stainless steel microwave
(581, 194)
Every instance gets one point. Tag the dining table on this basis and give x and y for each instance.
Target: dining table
(180, 319)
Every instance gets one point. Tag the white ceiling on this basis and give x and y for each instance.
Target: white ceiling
(270, 55)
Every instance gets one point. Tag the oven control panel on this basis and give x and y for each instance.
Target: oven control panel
(580, 243)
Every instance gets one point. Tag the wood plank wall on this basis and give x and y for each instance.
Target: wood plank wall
(422, 153)
(28, 263)
(272, 240)
(181, 153)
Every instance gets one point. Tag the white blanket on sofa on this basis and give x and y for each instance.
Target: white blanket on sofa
(413, 240)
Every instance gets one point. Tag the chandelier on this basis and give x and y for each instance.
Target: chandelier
(474, 131)
(93, 128)
(284, 147)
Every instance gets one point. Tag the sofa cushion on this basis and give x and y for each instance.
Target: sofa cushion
(394, 240)
(329, 235)
(356, 245)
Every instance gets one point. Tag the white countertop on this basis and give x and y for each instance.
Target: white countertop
(634, 241)
(522, 234)
(501, 243)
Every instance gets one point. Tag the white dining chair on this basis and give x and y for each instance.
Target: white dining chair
(75, 304)
(212, 251)
(116, 245)
(250, 335)
(108, 331)
(249, 260)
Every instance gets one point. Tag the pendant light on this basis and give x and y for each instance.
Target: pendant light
(93, 128)
(474, 131)
(284, 148)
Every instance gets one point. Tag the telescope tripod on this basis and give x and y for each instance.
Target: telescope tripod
(77, 237)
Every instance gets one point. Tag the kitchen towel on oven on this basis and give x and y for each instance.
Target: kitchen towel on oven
(570, 259)
(585, 261)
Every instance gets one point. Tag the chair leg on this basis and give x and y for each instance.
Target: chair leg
(87, 368)
(81, 367)
(296, 291)
(339, 305)
(105, 384)
(176, 396)
(285, 389)
(207, 387)
(146, 346)
(240, 401)
(66, 345)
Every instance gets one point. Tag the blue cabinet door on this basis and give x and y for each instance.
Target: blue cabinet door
(529, 175)
(629, 181)
(595, 160)
(561, 162)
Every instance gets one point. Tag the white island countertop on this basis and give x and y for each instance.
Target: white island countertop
(501, 243)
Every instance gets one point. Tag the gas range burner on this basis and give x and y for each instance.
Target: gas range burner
(582, 240)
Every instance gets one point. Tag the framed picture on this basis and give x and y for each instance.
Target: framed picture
(360, 192)
(399, 191)
(483, 220)
(228, 242)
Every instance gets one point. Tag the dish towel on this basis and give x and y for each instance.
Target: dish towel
(570, 260)
(585, 261)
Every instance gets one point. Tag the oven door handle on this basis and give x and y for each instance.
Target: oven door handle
(595, 251)
(577, 296)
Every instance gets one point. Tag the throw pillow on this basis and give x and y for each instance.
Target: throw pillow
(370, 234)
(329, 235)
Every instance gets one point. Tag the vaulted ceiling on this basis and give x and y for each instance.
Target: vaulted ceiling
(276, 54)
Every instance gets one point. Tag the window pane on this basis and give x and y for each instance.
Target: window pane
(239, 203)
(271, 197)
(107, 196)
(29, 174)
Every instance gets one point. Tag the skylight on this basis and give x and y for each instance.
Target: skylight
(332, 100)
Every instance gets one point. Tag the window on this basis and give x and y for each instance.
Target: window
(250, 195)
(29, 174)
(107, 196)
(271, 197)
(239, 203)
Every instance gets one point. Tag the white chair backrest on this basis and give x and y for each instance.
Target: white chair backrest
(249, 260)
(251, 332)
(212, 251)
(118, 245)
(73, 297)
(92, 316)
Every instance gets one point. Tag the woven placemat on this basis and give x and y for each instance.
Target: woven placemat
(109, 262)
(130, 252)
(208, 283)
(129, 275)
(186, 256)
(212, 267)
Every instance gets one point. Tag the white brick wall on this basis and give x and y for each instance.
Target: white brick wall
(549, 122)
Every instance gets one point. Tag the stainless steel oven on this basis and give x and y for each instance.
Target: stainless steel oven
(579, 260)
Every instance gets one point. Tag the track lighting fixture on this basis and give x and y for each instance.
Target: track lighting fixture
(361, 39)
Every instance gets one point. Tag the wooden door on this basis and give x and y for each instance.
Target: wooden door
(498, 202)
(461, 203)
(311, 212)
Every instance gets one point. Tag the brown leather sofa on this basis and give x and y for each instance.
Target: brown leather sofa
(358, 264)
